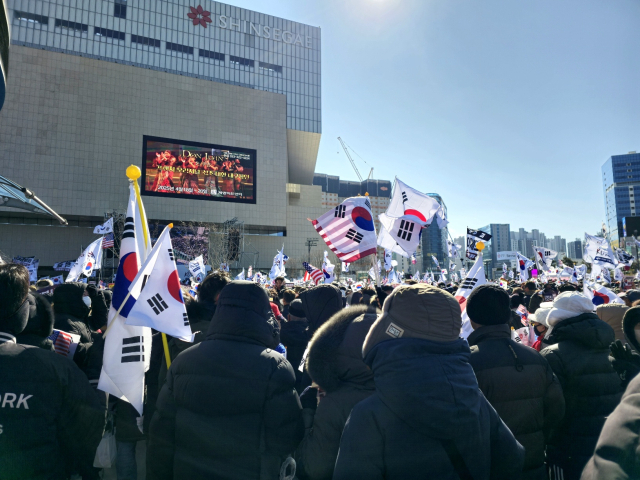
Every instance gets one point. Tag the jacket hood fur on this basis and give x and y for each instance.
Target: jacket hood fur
(335, 351)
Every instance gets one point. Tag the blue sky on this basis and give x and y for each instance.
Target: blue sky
(506, 108)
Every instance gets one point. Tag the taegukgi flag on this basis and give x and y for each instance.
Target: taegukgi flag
(474, 279)
(127, 348)
(159, 304)
(87, 262)
(473, 237)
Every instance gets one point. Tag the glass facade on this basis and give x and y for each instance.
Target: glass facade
(621, 181)
(210, 41)
(434, 241)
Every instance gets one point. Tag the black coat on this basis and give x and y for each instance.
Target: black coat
(294, 336)
(54, 419)
(228, 409)
(523, 389)
(40, 324)
(616, 455)
(73, 316)
(426, 396)
(579, 356)
(335, 364)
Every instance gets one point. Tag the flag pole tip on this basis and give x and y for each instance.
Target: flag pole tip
(170, 225)
(133, 172)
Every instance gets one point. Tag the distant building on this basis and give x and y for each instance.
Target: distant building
(500, 242)
(574, 249)
(434, 241)
(620, 181)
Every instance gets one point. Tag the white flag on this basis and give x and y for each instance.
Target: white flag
(453, 249)
(416, 276)
(416, 206)
(250, 273)
(618, 276)
(59, 280)
(87, 262)
(159, 303)
(474, 279)
(388, 242)
(197, 268)
(544, 257)
(523, 264)
(106, 227)
(240, 276)
(404, 232)
(126, 348)
(606, 275)
(435, 260)
(597, 251)
(345, 267)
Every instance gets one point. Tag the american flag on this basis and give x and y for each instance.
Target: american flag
(61, 342)
(349, 229)
(315, 274)
(107, 241)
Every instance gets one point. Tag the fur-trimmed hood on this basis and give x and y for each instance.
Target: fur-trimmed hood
(335, 351)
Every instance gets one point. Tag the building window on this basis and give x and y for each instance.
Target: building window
(120, 9)
(211, 55)
(175, 47)
(241, 62)
(72, 27)
(105, 33)
(146, 41)
(31, 18)
(270, 68)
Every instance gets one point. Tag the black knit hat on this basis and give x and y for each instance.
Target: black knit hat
(489, 305)
(295, 308)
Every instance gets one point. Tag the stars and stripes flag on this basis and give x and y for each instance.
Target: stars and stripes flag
(314, 273)
(107, 241)
(64, 343)
(348, 229)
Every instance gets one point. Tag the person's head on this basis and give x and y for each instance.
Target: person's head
(538, 320)
(416, 311)
(296, 312)
(410, 282)
(44, 283)
(630, 297)
(278, 283)
(14, 288)
(567, 287)
(529, 288)
(515, 301)
(212, 285)
(243, 310)
(288, 296)
(549, 287)
(488, 305)
(72, 299)
(568, 305)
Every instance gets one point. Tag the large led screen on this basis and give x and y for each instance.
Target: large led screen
(202, 171)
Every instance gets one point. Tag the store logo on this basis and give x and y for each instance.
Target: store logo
(199, 16)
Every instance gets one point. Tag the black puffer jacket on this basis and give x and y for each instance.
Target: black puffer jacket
(335, 364)
(72, 316)
(426, 396)
(228, 409)
(50, 416)
(523, 389)
(40, 325)
(579, 356)
(200, 315)
(616, 451)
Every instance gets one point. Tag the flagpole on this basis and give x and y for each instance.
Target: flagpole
(133, 173)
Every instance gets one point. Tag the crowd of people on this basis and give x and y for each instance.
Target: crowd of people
(322, 382)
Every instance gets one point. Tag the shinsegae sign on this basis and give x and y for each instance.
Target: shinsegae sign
(264, 31)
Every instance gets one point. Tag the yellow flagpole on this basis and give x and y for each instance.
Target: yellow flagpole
(134, 173)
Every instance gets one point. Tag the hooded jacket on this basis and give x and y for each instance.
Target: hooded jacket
(50, 416)
(228, 409)
(426, 399)
(319, 304)
(616, 451)
(40, 324)
(72, 316)
(611, 314)
(520, 385)
(579, 356)
(335, 364)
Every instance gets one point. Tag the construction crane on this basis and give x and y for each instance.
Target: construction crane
(353, 164)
